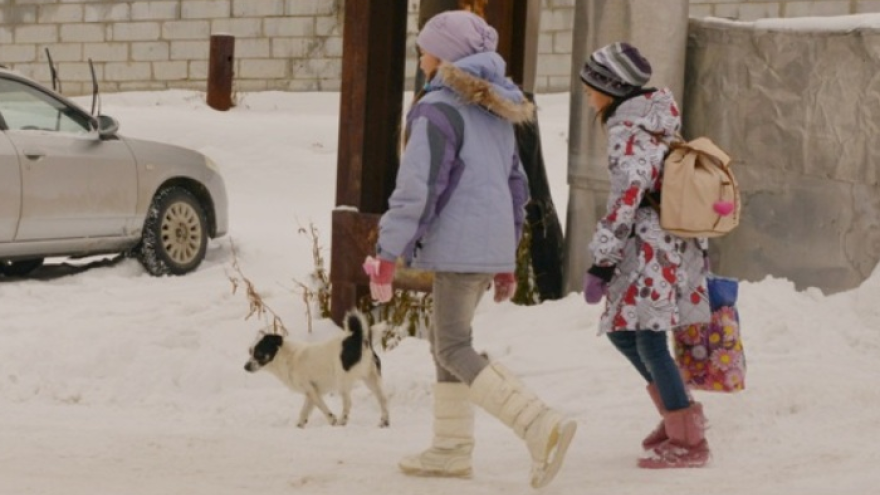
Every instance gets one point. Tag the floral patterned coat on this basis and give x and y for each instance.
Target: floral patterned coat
(659, 280)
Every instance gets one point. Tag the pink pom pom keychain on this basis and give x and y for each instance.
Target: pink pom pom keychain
(723, 208)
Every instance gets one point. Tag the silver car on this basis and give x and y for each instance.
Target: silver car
(71, 186)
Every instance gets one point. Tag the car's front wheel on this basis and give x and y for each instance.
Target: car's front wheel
(175, 235)
(19, 268)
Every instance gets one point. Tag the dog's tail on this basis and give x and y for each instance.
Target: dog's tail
(358, 341)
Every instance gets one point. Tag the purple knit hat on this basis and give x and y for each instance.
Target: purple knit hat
(617, 69)
(456, 34)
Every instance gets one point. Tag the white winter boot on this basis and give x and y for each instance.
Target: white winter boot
(546, 432)
(450, 453)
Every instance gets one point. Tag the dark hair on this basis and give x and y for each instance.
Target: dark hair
(616, 101)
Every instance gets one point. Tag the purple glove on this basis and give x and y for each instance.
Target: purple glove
(594, 288)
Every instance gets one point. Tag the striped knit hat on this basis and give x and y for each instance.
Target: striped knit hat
(617, 69)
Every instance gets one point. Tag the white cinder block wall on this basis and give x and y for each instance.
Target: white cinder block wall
(155, 44)
(557, 19)
(292, 45)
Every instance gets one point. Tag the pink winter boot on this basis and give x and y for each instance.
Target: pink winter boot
(658, 436)
(686, 446)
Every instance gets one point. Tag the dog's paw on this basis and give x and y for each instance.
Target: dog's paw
(342, 421)
(332, 420)
(301, 424)
(384, 423)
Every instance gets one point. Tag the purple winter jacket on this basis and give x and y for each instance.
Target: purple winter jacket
(458, 205)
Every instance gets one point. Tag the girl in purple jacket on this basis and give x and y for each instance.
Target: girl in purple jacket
(458, 210)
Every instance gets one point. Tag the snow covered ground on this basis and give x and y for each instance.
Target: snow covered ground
(115, 382)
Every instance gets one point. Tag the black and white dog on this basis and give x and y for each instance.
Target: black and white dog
(316, 369)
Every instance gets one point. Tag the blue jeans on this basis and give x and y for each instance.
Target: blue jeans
(648, 351)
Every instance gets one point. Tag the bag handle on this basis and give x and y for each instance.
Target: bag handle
(705, 147)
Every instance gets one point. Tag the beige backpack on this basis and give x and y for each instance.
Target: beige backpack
(699, 195)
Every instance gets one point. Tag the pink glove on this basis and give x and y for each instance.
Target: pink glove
(381, 274)
(505, 286)
(594, 288)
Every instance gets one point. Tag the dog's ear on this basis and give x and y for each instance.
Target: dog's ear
(265, 350)
(271, 340)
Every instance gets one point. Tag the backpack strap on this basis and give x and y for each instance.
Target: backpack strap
(652, 199)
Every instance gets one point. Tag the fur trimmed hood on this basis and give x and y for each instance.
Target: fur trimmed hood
(479, 80)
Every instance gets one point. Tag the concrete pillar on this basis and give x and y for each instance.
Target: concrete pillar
(658, 28)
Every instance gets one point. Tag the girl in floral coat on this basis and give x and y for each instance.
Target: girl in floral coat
(652, 281)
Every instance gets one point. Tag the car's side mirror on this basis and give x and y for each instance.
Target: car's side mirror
(107, 126)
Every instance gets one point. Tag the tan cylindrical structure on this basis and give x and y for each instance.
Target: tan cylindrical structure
(658, 28)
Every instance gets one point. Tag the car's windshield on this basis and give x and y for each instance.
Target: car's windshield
(26, 108)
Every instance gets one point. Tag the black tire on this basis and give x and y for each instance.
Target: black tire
(175, 235)
(19, 268)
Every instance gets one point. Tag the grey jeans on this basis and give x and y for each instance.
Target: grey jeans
(456, 296)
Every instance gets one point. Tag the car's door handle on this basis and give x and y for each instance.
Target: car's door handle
(34, 155)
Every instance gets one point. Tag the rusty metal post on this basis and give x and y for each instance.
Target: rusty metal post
(220, 71)
(517, 24)
(371, 106)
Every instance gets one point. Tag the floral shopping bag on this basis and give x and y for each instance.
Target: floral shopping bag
(710, 356)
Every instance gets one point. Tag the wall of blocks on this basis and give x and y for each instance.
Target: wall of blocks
(287, 45)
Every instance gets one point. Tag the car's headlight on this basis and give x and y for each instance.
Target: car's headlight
(211, 164)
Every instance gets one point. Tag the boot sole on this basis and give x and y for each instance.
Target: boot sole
(665, 464)
(687, 460)
(436, 474)
(426, 473)
(567, 430)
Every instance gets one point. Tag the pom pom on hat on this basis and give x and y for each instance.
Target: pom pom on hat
(617, 69)
(457, 34)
